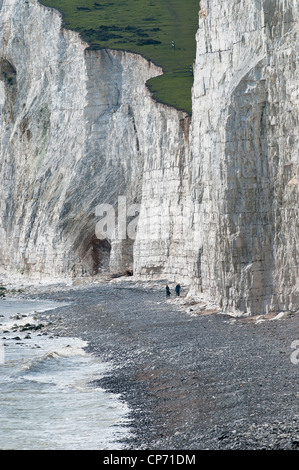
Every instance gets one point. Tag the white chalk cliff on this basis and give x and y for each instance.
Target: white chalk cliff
(245, 154)
(218, 192)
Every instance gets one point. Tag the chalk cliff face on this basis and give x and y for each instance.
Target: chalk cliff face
(218, 194)
(78, 129)
(245, 159)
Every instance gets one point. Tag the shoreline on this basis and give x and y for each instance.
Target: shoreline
(193, 379)
(52, 368)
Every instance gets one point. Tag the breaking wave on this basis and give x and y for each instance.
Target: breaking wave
(47, 398)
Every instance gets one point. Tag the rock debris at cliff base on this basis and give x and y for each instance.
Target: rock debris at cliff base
(191, 381)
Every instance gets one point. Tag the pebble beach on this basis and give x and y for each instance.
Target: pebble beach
(192, 377)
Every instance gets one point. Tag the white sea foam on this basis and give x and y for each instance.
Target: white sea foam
(48, 399)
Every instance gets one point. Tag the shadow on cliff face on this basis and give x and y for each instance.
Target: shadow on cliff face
(250, 195)
(8, 72)
(8, 75)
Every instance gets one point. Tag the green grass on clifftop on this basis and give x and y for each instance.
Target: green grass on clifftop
(147, 27)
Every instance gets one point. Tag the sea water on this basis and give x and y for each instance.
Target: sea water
(47, 395)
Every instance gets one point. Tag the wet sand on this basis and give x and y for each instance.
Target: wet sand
(193, 380)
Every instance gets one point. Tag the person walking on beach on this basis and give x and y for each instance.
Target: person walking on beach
(167, 291)
(177, 289)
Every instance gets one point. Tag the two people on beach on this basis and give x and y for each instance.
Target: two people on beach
(177, 290)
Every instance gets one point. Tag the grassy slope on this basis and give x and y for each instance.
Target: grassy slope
(144, 26)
